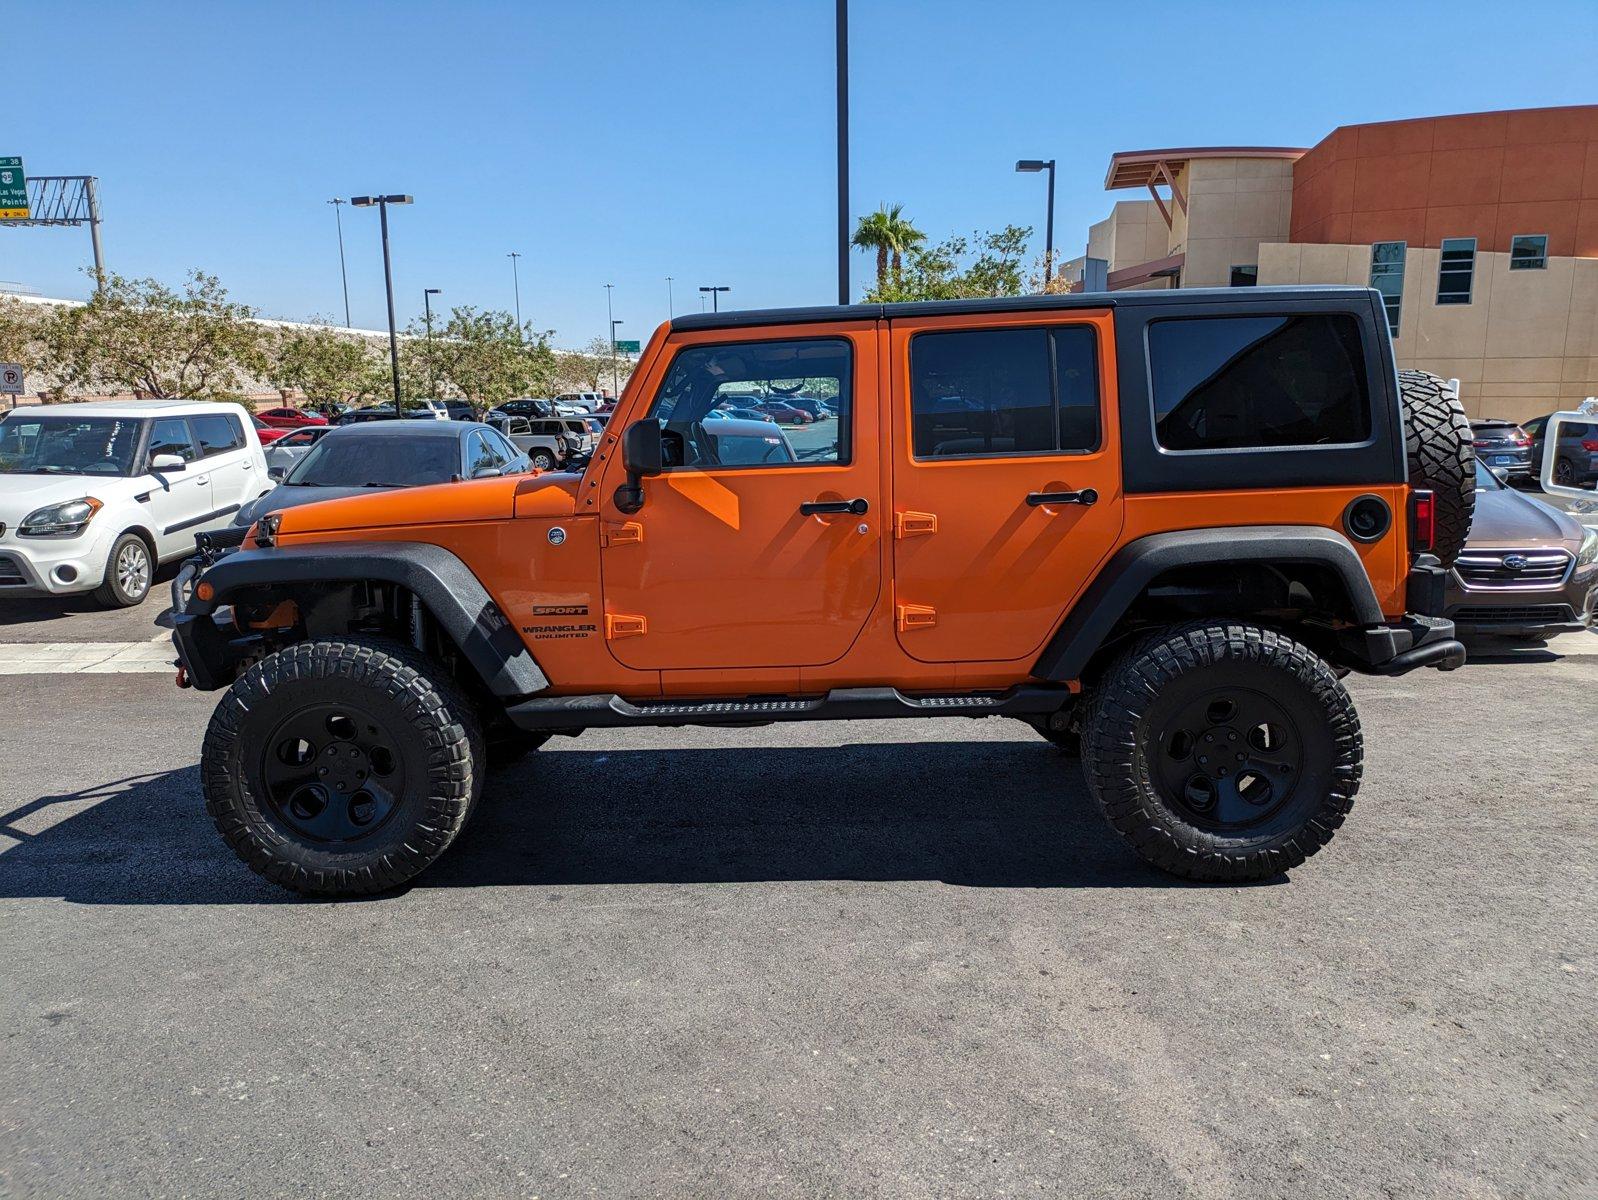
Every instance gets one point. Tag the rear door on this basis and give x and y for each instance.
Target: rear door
(1006, 477)
(749, 564)
(229, 460)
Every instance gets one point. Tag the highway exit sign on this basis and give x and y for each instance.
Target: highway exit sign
(626, 347)
(13, 190)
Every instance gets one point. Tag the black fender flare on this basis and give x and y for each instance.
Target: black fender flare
(1141, 561)
(444, 584)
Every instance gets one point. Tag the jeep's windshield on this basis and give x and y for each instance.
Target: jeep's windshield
(52, 444)
(377, 461)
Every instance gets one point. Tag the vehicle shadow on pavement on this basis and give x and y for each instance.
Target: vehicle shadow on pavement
(972, 814)
(75, 611)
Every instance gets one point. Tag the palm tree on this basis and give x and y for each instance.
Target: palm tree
(889, 232)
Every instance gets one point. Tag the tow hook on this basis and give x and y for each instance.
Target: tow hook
(183, 676)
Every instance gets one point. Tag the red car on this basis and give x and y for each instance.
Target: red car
(267, 434)
(289, 418)
(782, 414)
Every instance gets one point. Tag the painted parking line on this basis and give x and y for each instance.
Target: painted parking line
(88, 658)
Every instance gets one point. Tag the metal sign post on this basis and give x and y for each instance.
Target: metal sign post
(55, 200)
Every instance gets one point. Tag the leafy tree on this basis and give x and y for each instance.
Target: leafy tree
(890, 233)
(327, 365)
(138, 335)
(482, 355)
(986, 264)
(25, 337)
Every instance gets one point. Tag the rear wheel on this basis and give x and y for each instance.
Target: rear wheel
(1437, 441)
(1222, 752)
(542, 459)
(342, 768)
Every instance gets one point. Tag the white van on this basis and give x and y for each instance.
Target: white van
(94, 497)
(587, 401)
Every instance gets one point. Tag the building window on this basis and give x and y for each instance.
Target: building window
(1528, 252)
(1246, 275)
(1230, 383)
(1387, 277)
(1455, 270)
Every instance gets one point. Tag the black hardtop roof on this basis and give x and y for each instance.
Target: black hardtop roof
(406, 427)
(1002, 304)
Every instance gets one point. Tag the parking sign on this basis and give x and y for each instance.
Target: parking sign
(10, 379)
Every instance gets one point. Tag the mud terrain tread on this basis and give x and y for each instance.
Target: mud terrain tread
(1437, 442)
(1119, 781)
(437, 710)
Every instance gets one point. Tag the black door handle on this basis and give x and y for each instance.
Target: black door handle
(1085, 497)
(857, 506)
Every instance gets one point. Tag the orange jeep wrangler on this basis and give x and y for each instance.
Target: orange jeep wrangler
(1158, 527)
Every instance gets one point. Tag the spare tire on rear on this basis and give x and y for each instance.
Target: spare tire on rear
(1437, 441)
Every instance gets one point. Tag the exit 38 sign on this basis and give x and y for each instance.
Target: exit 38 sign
(13, 190)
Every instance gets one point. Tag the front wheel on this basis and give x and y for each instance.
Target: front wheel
(128, 572)
(342, 768)
(1222, 752)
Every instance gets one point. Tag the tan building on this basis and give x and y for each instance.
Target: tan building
(1481, 231)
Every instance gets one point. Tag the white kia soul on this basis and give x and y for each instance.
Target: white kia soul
(94, 497)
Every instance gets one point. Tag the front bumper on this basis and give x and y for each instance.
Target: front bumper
(1525, 611)
(53, 566)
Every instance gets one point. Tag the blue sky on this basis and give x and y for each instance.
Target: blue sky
(623, 142)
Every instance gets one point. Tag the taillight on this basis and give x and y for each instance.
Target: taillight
(1591, 445)
(1422, 522)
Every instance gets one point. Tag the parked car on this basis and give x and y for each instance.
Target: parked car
(1527, 569)
(459, 410)
(549, 442)
(355, 459)
(291, 447)
(94, 497)
(288, 417)
(1503, 445)
(264, 433)
(817, 410)
(781, 412)
(1150, 559)
(527, 407)
(731, 442)
(587, 401)
(1576, 458)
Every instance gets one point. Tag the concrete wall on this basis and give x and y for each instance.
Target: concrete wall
(1234, 205)
(1527, 344)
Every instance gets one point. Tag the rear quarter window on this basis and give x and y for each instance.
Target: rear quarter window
(1250, 382)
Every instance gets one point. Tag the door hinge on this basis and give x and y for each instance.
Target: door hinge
(625, 534)
(916, 616)
(914, 524)
(620, 625)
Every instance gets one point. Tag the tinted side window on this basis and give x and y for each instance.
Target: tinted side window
(218, 434)
(1241, 382)
(994, 392)
(170, 435)
(738, 374)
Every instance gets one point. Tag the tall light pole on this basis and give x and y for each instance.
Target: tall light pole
(427, 309)
(614, 385)
(338, 219)
(516, 283)
(1038, 164)
(671, 305)
(715, 295)
(841, 28)
(382, 203)
(610, 316)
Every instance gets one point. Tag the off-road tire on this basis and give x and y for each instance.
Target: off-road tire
(437, 742)
(112, 593)
(1160, 672)
(1437, 441)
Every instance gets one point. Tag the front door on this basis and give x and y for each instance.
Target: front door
(179, 501)
(760, 544)
(1006, 477)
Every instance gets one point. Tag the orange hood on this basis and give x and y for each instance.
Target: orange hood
(439, 504)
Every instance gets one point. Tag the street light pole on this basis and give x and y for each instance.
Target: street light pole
(516, 283)
(715, 295)
(615, 386)
(610, 316)
(1038, 164)
(427, 309)
(382, 203)
(344, 275)
(841, 28)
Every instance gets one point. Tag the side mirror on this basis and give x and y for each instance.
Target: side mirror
(487, 473)
(276, 473)
(168, 462)
(643, 454)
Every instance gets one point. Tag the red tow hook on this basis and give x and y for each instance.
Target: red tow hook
(183, 676)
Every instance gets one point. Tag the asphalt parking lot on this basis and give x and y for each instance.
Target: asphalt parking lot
(866, 959)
